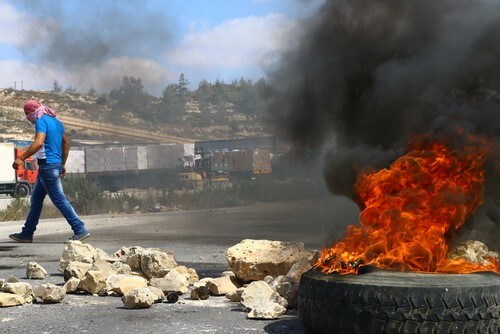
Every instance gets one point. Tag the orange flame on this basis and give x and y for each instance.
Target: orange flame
(411, 210)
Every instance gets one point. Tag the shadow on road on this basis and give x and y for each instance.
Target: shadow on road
(291, 325)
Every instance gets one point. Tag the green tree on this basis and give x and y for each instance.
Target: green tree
(131, 97)
(70, 89)
(183, 87)
(171, 106)
(92, 92)
(56, 87)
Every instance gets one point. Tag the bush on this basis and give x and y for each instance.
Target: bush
(87, 198)
(85, 195)
(16, 210)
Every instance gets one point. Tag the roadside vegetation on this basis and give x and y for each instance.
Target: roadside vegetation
(88, 199)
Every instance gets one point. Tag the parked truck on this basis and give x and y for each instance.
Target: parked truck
(202, 179)
(18, 182)
(248, 163)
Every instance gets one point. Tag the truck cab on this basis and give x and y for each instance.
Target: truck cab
(18, 183)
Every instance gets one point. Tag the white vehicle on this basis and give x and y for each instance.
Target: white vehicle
(15, 182)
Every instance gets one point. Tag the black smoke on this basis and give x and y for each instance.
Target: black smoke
(89, 32)
(80, 35)
(373, 74)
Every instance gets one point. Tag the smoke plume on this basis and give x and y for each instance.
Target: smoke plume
(105, 34)
(372, 74)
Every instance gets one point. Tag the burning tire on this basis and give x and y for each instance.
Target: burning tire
(400, 302)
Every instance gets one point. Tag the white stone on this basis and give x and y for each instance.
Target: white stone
(139, 298)
(473, 251)
(189, 272)
(121, 268)
(76, 251)
(203, 281)
(122, 284)
(76, 269)
(267, 312)
(10, 299)
(155, 263)
(71, 285)
(223, 285)
(263, 302)
(173, 281)
(50, 293)
(94, 282)
(104, 267)
(19, 288)
(253, 260)
(287, 288)
(200, 292)
(236, 296)
(35, 271)
(13, 279)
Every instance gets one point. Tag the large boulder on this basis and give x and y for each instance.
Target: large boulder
(252, 260)
(155, 263)
(77, 251)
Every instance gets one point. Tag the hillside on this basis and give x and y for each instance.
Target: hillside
(220, 121)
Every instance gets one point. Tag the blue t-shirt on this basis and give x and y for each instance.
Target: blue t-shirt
(53, 129)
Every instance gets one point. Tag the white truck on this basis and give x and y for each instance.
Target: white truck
(15, 182)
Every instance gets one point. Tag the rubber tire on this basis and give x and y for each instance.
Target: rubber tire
(382, 301)
(22, 190)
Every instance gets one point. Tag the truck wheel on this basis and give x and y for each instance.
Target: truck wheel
(22, 190)
(400, 302)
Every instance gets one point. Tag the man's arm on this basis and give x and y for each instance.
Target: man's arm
(65, 148)
(34, 147)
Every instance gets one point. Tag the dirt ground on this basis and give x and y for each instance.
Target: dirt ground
(198, 239)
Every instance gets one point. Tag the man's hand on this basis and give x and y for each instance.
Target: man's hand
(17, 163)
(63, 172)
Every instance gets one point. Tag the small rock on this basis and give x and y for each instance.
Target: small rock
(50, 293)
(200, 292)
(10, 299)
(35, 271)
(139, 298)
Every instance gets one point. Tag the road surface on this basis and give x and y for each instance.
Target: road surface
(198, 239)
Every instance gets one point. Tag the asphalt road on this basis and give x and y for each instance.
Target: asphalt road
(198, 239)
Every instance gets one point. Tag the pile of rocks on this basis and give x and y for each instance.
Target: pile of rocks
(264, 277)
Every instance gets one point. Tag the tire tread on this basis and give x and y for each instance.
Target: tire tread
(327, 306)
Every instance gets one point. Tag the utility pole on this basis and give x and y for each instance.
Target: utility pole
(15, 83)
(22, 88)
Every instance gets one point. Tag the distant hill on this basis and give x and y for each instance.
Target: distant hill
(194, 116)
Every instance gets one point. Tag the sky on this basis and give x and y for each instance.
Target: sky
(95, 43)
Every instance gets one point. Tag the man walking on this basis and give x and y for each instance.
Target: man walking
(51, 146)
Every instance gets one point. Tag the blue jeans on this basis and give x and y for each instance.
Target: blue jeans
(49, 182)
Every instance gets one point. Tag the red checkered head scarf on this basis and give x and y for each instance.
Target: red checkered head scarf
(34, 110)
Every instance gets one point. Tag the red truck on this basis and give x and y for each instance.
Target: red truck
(17, 183)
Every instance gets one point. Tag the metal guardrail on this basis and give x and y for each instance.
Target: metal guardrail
(121, 130)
